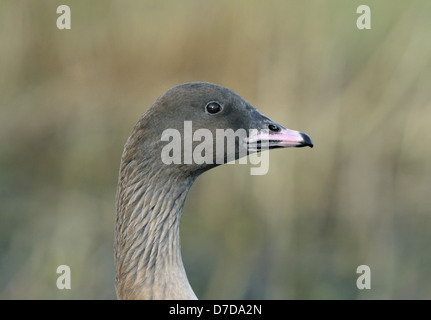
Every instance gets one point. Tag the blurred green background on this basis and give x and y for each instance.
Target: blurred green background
(69, 100)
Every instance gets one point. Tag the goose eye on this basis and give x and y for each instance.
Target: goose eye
(273, 127)
(213, 107)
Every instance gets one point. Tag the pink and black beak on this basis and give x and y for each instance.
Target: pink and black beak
(270, 135)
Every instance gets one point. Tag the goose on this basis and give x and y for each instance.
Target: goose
(153, 183)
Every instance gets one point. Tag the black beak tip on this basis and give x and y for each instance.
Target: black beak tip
(307, 140)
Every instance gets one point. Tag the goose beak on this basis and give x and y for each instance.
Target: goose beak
(289, 138)
(280, 137)
(270, 135)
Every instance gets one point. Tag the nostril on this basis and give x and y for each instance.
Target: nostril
(273, 127)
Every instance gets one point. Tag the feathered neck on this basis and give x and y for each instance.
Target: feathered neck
(150, 200)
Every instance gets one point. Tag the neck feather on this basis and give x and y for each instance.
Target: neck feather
(147, 245)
